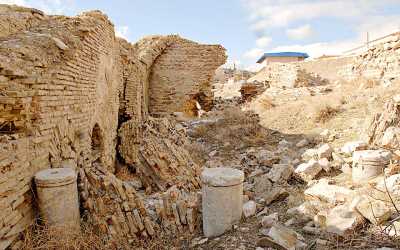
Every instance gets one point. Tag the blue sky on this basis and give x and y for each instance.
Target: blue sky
(246, 28)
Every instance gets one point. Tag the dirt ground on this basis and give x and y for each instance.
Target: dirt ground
(292, 115)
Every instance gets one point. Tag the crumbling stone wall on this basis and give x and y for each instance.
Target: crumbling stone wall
(184, 71)
(14, 19)
(58, 79)
(66, 86)
(380, 62)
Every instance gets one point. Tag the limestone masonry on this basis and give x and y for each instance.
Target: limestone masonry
(68, 85)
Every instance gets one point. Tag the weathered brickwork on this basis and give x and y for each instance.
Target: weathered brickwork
(66, 86)
(183, 72)
(155, 149)
(56, 85)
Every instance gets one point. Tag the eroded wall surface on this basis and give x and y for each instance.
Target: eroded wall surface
(58, 79)
(381, 62)
(67, 85)
(183, 72)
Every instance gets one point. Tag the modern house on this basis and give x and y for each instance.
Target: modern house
(282, 57)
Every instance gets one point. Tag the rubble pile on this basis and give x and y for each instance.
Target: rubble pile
(155, 149)
(287, 75)
(384, 128)
(379, 62)
(123, 214)
(250, 90)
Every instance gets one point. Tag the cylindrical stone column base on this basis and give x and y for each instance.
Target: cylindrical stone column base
(222, 199)
(58, 197)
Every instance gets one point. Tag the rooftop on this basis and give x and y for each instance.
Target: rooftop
(282, 54)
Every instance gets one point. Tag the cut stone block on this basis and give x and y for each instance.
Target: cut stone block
(329, 193)
(376, 211)
(222, 195)
(325, 151)
(58, 197)
(280, 172)
(249, 209)
(343, 220)
(307, 171)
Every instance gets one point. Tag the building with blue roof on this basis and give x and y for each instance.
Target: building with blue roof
(282, 57)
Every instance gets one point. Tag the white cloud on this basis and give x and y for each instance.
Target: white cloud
(281, 13)
(122, 31)
(253, 54)
(263, 42)
(360, 16)
(300, 33)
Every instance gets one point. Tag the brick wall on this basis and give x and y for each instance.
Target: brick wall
(56, 81)
(67, 85)
(184, 71)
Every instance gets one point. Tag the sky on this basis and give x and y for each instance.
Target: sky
(246, 28)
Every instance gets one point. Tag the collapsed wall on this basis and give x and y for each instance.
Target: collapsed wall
(287, 75)
(380, 62)
(154, 150)
(66, 86)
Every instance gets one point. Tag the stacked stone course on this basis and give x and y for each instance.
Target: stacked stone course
(66, 86)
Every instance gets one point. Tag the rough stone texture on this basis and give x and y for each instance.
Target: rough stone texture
(154, 148)
(222, 177)
(309, 170)
(287, 75)
(343, 220)
(249, 90)
(368, 164)
(117, 209)
(376, 211)
(222, 195)
(249, 209)
(188, 67)
(382, 121)
(58, 197)
(51, 101)
(327, 192)
(380, 62)
(67, 85)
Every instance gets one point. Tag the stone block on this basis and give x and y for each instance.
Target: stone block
(222, 194)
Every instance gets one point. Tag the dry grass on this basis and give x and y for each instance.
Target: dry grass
(325, 113)
(42, 237)
(234, 128)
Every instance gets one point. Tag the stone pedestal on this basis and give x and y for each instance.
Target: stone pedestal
(222, 199)
(58, 197)
(368, 164)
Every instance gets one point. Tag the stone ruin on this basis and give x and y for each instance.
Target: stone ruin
(73, 95)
